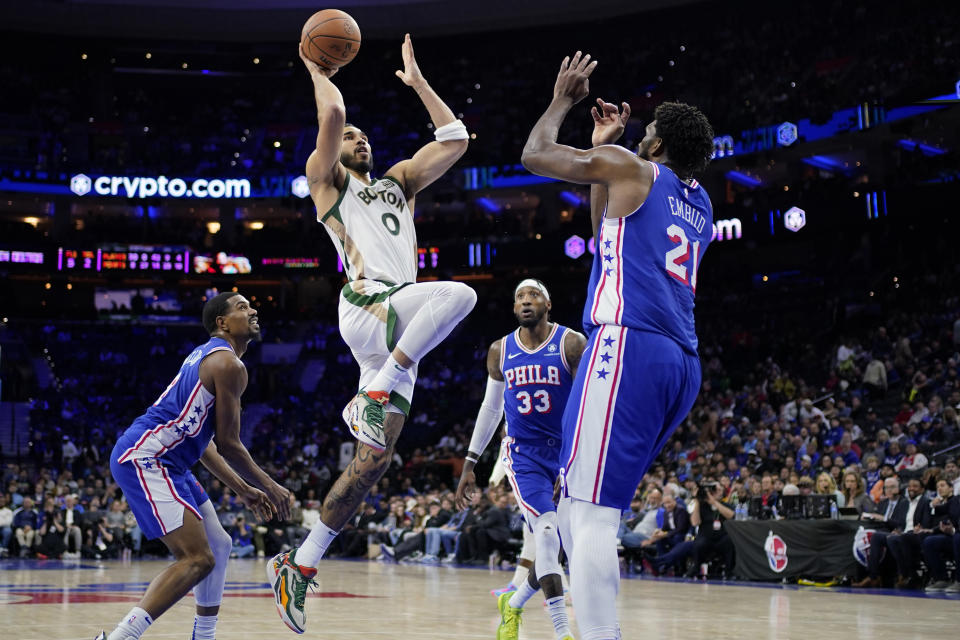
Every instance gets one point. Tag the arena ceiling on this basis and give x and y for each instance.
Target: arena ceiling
(275, 20)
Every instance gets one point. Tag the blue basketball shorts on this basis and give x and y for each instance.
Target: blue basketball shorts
(158, 494)
(631, 391)
(532, 469)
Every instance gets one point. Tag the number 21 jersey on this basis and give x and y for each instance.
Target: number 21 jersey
(538, 383)
(645, 268)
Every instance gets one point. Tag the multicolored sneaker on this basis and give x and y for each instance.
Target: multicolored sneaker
(509, 628)
(364, 415)
(289, 582)
(510, 588)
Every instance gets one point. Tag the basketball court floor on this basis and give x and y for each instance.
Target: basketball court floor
(72, 600)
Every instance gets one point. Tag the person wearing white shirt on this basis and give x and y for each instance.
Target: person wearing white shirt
(6, 520)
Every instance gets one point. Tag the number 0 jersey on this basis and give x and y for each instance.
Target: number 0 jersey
(177, 427)
(372, 228)
(645, 268)
(538, 383)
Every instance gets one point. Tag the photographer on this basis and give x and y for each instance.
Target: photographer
(708, 514)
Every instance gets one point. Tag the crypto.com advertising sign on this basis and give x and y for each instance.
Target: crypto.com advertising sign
(160, 186)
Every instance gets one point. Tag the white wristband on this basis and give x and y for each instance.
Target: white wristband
(471, 459)
(456, 130)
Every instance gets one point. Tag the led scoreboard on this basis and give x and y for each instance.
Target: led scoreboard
(134, 257)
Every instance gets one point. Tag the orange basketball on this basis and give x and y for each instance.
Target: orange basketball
(331, 38)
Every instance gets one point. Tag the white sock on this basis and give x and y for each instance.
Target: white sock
(388, 376)
(558, 615)
(523, 593)
(520, 575)
(132, 626)
(313, 548)
(594, 571)
(204, 627)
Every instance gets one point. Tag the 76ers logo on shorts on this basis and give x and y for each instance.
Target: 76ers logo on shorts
(776, 550)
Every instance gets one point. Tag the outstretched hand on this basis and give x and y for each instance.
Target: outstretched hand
(410, 75)
(258, 503)
(573, 81)
(312, 66)
(609, 122)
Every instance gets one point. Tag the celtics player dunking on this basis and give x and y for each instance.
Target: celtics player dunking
(388, 320)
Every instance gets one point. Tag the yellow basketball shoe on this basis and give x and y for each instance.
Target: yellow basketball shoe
(509, 628)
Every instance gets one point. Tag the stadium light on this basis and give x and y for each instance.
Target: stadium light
(786, 134)
(795, 219)
(574, 247)
(300, 187)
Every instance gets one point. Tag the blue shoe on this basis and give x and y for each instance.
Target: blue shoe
(510, 588)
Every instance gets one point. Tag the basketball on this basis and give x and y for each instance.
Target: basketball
(331, 38)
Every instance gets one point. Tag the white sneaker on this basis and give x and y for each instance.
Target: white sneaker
(365, 417)
(938, 586)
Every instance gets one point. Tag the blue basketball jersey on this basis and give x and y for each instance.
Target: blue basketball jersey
(537, 386)
(645, 269)
(179, 425)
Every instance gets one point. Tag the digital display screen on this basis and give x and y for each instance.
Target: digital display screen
(124, 258)
(291, 263)
(21, 257)
(222, 262)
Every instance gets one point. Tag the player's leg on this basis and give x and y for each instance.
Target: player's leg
(594, 568)
(209, 591)
(614, 426)
(531, 474)
(291, 572)
(163, 504)
(419, 317)
(193, 562)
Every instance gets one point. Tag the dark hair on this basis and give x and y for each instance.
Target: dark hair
(687, 135)
(214, 308)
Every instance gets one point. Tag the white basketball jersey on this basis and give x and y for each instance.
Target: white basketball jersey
(372, 229)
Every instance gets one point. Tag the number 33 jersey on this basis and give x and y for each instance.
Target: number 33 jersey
(645, 268)
(372, 229)
(538, 383)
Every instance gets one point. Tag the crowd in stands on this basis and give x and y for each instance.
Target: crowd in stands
(105, 107)
(861, 421)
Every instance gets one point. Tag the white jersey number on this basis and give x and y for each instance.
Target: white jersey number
(680, 254)
(527, 405)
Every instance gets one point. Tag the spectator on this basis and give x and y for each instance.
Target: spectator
(6, 525)
(827, 486)
(242, 536)
(894, 511)
(73, 536)
(672, 532)
(913, 461)
(944, 542)
(854, 492)
(708, 515)
(906, 548)
(26, 522)
(446, 536)
(50, 536)
(489, 534)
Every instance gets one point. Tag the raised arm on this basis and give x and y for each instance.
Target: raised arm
(434, 158)
(488, 419)
(609, 165)
(609, 124)
(228, 377)
(324, 171)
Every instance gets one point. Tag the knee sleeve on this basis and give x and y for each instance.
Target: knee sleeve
(209, 591)
(529, 550)
(548, 544)
(464, 299)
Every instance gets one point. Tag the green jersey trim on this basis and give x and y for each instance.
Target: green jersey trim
(335, 209)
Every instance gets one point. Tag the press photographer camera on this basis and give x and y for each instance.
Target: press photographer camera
(708, 515)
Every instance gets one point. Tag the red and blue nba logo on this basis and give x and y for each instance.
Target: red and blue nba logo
(861, 545)
(776, 550)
